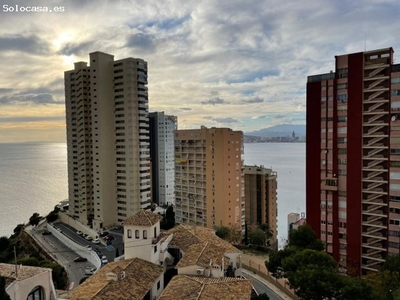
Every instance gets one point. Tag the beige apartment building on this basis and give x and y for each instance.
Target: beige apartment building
(108, 139)
(260, 198)
(209, 181)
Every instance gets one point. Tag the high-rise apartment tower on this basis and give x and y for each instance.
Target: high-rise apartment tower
(353, 159)
(209, 181)
(260, 198)
(108, 139)
(162, 155)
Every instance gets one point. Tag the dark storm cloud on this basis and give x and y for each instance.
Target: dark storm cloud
(214, 101)
(46, 98)
(30, 44)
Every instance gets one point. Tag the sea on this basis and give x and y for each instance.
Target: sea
(33, 178)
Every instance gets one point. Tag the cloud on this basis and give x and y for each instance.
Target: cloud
(185, 108)
(30, 99)
(141, 41)
(214, 101)
(77, 49)
(253, 100)
(227, 120)
(31, 44)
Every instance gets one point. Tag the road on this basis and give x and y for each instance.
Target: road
(63, 255)
(262, 288)
(109, 252)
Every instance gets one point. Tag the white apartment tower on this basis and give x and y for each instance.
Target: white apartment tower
(108, 139)
(162, 129)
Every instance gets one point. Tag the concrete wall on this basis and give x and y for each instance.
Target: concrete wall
(90, 255)
(20, 289)
(77, 225)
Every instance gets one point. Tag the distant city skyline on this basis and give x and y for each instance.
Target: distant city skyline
(226, 64)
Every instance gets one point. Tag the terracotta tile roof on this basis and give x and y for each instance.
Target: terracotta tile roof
(24, 272)
(140, 276)
(143, 218)
(203, 254)
(185, 236)
(184, 287)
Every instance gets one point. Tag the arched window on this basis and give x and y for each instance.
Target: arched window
(137, 234)
(129, 234)
(36, 294)
(144, 234)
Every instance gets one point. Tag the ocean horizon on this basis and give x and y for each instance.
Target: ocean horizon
(33, 178)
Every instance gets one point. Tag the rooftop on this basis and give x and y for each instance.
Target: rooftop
(24, 272)
(203, 254)
(140, 276)
(185, 236)
(143, 218)
(202, 288)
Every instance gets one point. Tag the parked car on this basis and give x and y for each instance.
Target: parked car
(80, 259)
(104, 233)
(109, 242)
(104, 260)
(96, 241)
(98, 252)
(89, 247)
(88, 238)
(46, 232)
(109, 237)
(90, 271)
(59, 229)
(79, 232)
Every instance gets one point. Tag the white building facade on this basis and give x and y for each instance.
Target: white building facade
(162, 129)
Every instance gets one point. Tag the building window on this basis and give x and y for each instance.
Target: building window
(144, 234)
(155, 248)
(158, 285)
(129, 234)
(342, 119)
(395, 93)
(137, 234)
(342, 73)
(342, 86)
(36, 294)
(155, 232)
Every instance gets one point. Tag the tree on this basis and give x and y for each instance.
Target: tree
(355, 288)
(235, 234)
(312, 274)
(263, 296)
(304, 238)
(246, 233)
(169, 219)
(34, 219)
(257, 237)
(4, 243)
(3, 293)
(222, 232)
(267, 230)
(276, 258)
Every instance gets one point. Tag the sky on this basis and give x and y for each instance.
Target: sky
(241, 64)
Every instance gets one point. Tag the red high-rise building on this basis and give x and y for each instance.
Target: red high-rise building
(353, 159)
